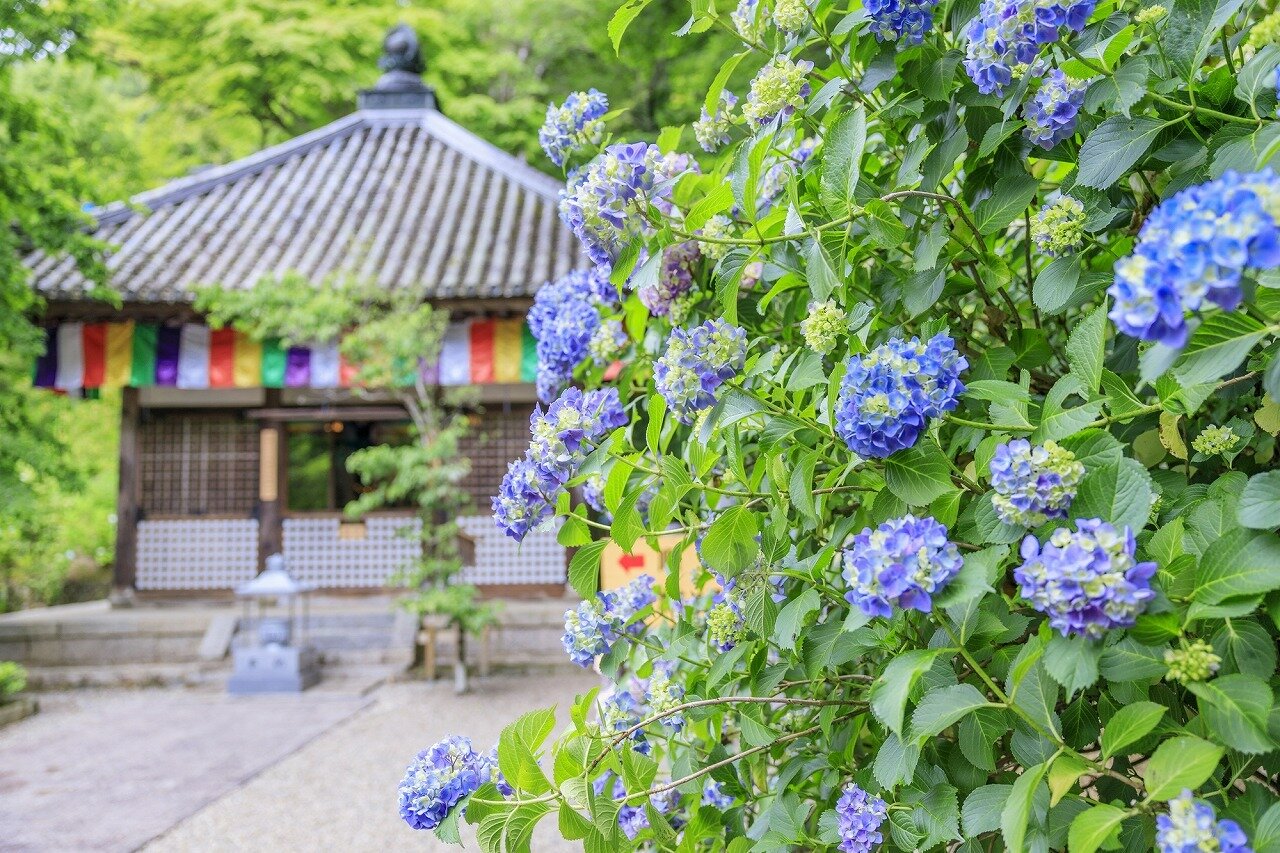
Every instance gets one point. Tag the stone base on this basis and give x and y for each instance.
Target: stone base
(273, 669)
(17, 709)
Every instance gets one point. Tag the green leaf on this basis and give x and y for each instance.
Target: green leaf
(1235, 710)
(918, 475)
(1129, 725)
(890, 691)
(1072, 662)
(730, 544)
(712, 101)
(1218, 347)
(895, 761)
(842, 161)
(1056, 284)
(584, 569)
(1129, 660)
(1065, 771)
(1057, 420)
(1240, 562)
(943, 707)
(1121, 493)
(1121, 90)
(718, 200)
(978, 572)
(447, 830)
(1086, 347)
(883, 224)
(981, 812)
(791, 618)
(517, 750)
(1257, 76)
(1259, 505)
(822, 277)
(1016, 814)
(1091, 829)
(1011, 196)
(1181, 762)
(1114, 147)
(1266, 837)
(622, 19)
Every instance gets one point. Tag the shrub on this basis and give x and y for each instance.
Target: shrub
(13, 679)
(968, 403)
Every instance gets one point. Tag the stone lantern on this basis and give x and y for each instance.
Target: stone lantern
(273, 656)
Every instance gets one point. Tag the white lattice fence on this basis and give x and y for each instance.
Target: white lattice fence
(204, 553)
(500, 559)
(315, 553)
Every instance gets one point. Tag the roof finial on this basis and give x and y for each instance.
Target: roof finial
(400, 86)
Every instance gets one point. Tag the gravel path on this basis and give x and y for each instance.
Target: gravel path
(338, 792)
(109, 770)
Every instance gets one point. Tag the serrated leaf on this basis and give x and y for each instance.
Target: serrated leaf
(842, 160)
(1217, 347)
(1129, 725)
(1181, 762)
(730, 544)
(1091, 829)
(1259, 504)
(622, 19)
(584, 569)
(888, 698)
(1235, 709)
(1240, 562)
(1114, 147)
(1011, 196)
(918, 475)
(943, 707)
(1086, 347)
(1016, 815)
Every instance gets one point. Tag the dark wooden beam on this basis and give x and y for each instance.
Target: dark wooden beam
(126, 558)
(330, 413)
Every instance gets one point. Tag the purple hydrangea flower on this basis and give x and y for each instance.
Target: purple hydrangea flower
(1193, 249)
(592, 629)
(888, 395)
(1087, 582)
(906, 20)
(563, 320)
(697, 362)
(903, 562)
(438, 779)
(675, 277)
(573, 125)
(602, 203)
(713, 795)
(1051, 114)
(1191, 826)
(858, 819)
(1010, 33)
(1033, 483)
(634, 818)
(621, 711)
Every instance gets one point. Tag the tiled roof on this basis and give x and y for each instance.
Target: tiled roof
(403, 197)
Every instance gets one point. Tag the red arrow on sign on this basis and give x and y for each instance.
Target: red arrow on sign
(631, 561)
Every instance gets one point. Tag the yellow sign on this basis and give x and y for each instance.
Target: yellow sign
(619, 568)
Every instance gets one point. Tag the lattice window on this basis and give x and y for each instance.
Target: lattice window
(317, 553)
(197, 553)
(197, 464)
(502, 560)
(499, 435)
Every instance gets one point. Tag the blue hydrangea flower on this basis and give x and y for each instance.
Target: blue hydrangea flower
(573, 125)
(1007, 34)
(1193, 249)
(522, 504)
(858, 819)
(906, 20)
(438, 779)
(1086, 582)
(562, 435)
(634, 818)
(1051, 114)
(487, 767)
(888, 395)
(778, 89)
(1033, 483)
(697, 362)
(903, 562)
(563, 320)
(1191, 826)
(712, 131)
(621, 711)
(601, 204)
(675, 277)
(713, 795)
(595, 625)
(608, 342)
(747, 20)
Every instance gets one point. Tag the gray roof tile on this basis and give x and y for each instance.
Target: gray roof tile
(405, 198)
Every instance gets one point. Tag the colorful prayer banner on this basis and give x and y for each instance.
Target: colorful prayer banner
(77, 356)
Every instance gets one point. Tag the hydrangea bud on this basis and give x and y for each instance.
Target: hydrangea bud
(718, 227)
(726, 623)
(1058, 228)
(1151, 14)
(662, 696)
(748, 21)
(607, 343)
(791, 16)
(1194, 661)
(712, 131)
(1265, 32)
(824, 326)
(1215, 440)
(779, 89)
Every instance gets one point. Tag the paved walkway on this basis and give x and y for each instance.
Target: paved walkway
(339, 791)
(111, 770)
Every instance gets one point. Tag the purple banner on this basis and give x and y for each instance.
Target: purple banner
(297, 367)
(47, 362)
(168, 343)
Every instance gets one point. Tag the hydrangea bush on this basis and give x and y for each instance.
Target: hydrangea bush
(945, 337)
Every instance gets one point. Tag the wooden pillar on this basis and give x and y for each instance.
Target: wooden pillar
(271, 468)
(126, 558)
